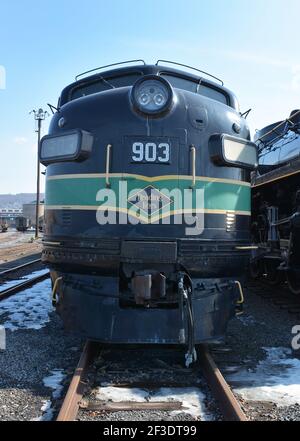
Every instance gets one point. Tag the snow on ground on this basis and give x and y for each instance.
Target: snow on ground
(275, 379)
(11, 283)
(248, 320)
(28, 309)
(191, 397)
(53, 381)
(12, 238)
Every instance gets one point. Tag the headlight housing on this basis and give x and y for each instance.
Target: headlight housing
(69, 146)
(152, 95)
(232, 151)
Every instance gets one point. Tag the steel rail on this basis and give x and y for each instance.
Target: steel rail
(19, 267)
(229, 405)
(70, 406)
(23, 285)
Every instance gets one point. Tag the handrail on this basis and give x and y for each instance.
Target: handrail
(287, 120)
(108, 150)
(108, 65)
(189, 67)
(193, 151)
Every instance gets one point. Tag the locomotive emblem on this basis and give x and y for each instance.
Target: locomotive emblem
(150, 200)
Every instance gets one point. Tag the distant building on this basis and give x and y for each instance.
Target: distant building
(8, 215)
(29, 211)
(11, 212)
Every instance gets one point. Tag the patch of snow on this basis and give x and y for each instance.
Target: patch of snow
(11, 238)
(47, 412)
(247, 320)
(54, 382)
(275, 379)
(117, 394)
(191, 397)
(28, 309)
(11, 283)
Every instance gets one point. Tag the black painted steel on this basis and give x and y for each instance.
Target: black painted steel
(276, 202)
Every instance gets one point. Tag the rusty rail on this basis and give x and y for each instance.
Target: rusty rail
(73, 400)
(70, 406)
(19, 267)
(229, 405)
(23, 285)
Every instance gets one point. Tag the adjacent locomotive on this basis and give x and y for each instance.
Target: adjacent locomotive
(276, 203)
(3, 224)
(22, 223)
(147, 206)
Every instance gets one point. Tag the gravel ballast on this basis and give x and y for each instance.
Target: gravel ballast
(37, 365)
(32, 355)
(263, 328)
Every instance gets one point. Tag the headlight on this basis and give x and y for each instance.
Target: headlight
(69, 146)
(233, 151)
(152, 94)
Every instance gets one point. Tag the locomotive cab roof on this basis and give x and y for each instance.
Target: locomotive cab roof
(126, 76)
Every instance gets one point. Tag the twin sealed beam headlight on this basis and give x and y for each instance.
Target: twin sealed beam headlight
(69, 146)
(152, 95)
(232, 151)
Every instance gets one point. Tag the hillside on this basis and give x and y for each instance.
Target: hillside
(17, 200)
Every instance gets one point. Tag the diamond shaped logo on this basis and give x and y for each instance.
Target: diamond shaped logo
(149, 200)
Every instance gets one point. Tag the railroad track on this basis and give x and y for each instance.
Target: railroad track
(8, 271)
(18, 287)
(74, 399)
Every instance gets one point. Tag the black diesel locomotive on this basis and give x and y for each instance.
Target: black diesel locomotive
(276, 203)
(147, 209)
(3, 224)
(22, 223)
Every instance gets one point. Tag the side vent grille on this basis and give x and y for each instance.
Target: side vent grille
(66, 218)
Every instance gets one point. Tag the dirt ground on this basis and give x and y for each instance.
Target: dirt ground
(14, 245)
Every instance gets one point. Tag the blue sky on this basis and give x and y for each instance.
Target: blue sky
(253, 46)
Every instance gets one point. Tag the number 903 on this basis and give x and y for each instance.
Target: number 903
(151, 152)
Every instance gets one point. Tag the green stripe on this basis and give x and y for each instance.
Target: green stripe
(217, 195)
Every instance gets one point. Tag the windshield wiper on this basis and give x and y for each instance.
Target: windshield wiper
(107, 82)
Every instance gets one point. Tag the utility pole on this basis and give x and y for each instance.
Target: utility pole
(39, 116)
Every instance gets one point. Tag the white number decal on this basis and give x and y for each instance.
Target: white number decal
(165, 150)
(150, 152)
(138, 149)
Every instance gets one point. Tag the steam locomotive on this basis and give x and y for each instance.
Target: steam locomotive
(276, 203)
(147, 206)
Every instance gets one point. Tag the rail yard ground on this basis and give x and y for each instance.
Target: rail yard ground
(256, 360)
(16, 245)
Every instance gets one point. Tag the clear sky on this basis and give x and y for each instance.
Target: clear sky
(252, 45)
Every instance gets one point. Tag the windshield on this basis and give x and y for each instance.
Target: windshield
(286, 148)
(195, 87)
(102, 84)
